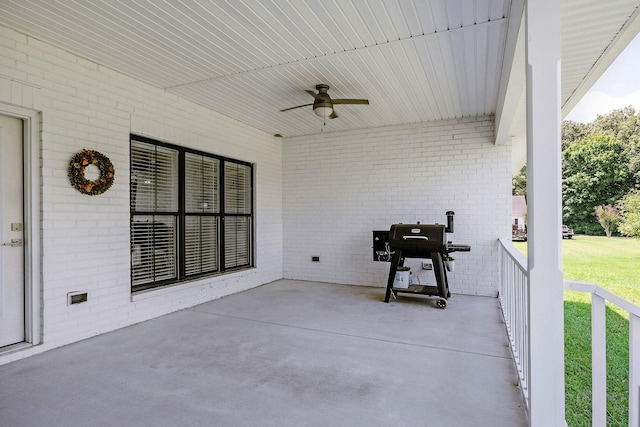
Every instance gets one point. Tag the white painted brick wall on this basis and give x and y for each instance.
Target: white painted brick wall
(339, 187)
(85, 239)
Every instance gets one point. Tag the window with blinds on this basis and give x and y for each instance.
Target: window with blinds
(191, 214)
(201, 206)
(237, 224)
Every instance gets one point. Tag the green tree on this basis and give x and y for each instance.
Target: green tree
(519, 183)
(624, 125)
(608, 217)
(630, 207)
(595, 172)
(573, 132)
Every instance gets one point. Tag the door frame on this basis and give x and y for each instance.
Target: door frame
(32, 242)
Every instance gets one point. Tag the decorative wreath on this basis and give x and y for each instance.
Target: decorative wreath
(77, 166)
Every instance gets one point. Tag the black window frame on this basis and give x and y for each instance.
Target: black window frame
(182, 214)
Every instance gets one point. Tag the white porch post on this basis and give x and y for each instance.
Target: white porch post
(546, 310)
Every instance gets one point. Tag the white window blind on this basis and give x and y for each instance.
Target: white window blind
(236, 241)
(237, 188)
(201, 177)
(237, 202)
(201, 244)
(201, 184)
(154, 178)
(153, 254)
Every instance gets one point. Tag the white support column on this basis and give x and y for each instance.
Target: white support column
(546, 305)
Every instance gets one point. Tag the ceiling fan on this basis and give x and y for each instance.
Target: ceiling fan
(323, 104)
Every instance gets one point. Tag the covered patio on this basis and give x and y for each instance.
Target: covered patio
(288, 353)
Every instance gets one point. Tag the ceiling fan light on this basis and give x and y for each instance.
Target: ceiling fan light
(323, 111)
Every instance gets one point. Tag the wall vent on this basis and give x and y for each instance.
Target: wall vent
(76, 297)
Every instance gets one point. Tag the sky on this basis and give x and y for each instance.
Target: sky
(618, 87)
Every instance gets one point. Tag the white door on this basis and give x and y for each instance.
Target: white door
(12, 303)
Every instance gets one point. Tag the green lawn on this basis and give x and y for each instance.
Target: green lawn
(613, 264)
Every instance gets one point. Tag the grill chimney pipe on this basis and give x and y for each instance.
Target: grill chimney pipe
(449, 228)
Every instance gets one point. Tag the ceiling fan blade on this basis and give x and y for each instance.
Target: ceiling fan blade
(293, 108)
(333, 115)
(315, 95)
(350, 101)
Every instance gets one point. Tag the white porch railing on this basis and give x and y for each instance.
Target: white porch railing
(514, 283)
(599, 352)
(514, 301)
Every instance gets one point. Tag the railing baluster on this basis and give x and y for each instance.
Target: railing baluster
(598, 361)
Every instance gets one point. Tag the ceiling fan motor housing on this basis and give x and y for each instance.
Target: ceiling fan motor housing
(323, 100)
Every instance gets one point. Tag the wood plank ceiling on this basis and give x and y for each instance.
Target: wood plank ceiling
(414, 60)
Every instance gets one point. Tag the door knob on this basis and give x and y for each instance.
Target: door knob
(15, 243)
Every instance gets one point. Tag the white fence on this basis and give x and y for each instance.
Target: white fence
(514, 292)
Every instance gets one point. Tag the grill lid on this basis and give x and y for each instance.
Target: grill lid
(417, 239)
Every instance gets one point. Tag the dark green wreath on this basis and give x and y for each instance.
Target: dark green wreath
(77, 166)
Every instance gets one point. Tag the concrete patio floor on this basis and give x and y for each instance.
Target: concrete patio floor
(288, 353)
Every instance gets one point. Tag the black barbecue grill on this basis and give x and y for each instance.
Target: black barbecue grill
(419, 241)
